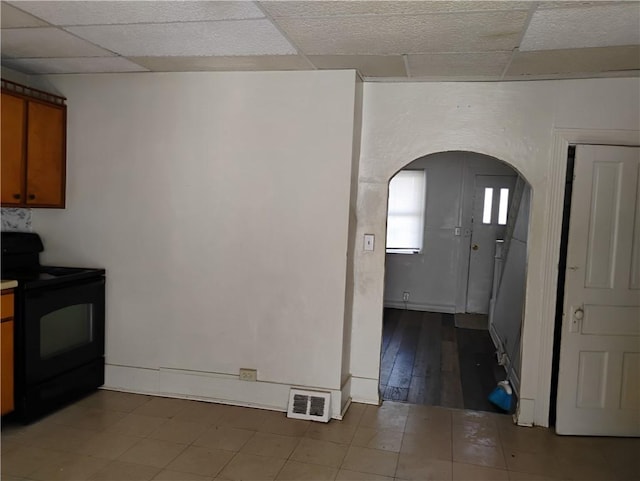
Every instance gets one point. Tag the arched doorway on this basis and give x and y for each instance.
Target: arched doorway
(449, 318)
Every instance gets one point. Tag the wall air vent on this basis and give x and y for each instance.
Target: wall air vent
(313, 405)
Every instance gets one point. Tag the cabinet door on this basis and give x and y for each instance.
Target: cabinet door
(12, 171)
(45, 155)
(6, 367)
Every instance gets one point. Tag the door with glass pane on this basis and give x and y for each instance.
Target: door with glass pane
(490, 207)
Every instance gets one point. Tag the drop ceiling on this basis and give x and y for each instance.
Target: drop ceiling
(414, 40)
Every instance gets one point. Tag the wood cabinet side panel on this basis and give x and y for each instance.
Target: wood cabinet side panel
(6, 367)
(13, 120)
(6, 308)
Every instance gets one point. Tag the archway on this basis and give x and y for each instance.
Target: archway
(377, 166)
(428, 290)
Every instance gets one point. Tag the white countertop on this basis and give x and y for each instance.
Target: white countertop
(8, 284)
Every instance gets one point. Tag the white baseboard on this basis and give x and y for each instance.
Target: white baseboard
(514, 377)
(418, 306)
(497, 342)
(364, 390)
(345, 396)
(131, 379)
(525, 412)
(212, 387)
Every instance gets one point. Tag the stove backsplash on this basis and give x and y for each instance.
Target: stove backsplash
(16, 220)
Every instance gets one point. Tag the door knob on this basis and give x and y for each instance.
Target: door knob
(578, 315)
(474, 247)
(32, 196)
(16, 196)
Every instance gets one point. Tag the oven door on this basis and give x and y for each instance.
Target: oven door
(63, 328)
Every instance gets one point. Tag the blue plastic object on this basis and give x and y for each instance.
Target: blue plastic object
(502, 396)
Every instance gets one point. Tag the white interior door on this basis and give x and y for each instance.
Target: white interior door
(599, 378)
(490, 206)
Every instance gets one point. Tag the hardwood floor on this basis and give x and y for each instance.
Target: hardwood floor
(425, 359)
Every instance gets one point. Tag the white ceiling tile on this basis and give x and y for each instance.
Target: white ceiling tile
(592, 26)
(196, 64)
(387, 35)
(123, 12)
(233, 37)
(73, 65)
(575, 60)
(441, 38)
(484, 64)
(367, 65)
(46, 42)
(330, 8)
(14, 18)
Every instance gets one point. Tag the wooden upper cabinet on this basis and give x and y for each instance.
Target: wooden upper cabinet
(45, 155)
(33, 147)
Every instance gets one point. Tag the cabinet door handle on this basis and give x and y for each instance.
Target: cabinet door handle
(16, 196)
(32, 196)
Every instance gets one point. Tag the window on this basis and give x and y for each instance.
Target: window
(503, 205)
(488, 205)
(405, 221)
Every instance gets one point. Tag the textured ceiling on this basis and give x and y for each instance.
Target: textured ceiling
(417, 40)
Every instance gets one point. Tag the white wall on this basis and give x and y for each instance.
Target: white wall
(350, 285)
(164, 171)
(219, 205)
(436, 278)
(515, 122)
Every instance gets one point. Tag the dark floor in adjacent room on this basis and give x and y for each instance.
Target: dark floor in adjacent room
(426, 359)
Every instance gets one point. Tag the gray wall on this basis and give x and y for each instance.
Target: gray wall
(509, 301)
(436, 278)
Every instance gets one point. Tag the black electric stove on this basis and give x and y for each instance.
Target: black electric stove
(59, 327)
(21, 262)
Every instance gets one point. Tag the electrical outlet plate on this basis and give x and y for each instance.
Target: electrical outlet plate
(248, 374)
(405, 296)
(369, 240)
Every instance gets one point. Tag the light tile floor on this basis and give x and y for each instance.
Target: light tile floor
(120, 436)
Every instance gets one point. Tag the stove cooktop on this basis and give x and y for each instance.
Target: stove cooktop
(50, 275)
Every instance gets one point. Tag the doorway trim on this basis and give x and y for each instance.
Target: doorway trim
(538, 413)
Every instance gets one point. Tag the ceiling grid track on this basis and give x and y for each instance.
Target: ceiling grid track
(515, 51)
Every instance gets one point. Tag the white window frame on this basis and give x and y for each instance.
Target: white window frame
(408, 210)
